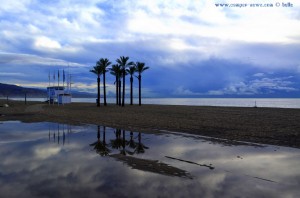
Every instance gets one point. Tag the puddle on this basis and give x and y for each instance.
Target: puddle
(56, 160)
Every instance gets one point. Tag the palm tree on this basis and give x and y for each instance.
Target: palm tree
(116, 71)
(122, 61)
(104, 63)
(140, 68)
(97, 70)
(120, 85)
(131, 71)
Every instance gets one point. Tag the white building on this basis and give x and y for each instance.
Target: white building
(64, 98)
(57, 94)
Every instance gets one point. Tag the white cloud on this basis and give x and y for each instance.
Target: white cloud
(7, 59)
(257, 86)
(258, 74)
(46, 43)
(163, 33)
(181, 91)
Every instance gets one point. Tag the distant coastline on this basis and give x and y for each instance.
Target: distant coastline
(221, 102)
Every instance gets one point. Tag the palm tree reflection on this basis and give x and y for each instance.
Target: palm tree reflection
(127, 148)
(99, 146)
(131, 142)
(140, 146)
(116, 143)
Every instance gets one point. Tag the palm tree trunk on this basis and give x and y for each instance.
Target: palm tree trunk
(131, 90)
(104, 89)
(123, 94)
(117, 90)
(140, 90)
(98, 132)
(98, 92)
(120, 85)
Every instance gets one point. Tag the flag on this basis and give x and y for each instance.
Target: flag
(58, 74)
(64, 77)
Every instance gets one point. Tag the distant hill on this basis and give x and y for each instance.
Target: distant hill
(18, 91)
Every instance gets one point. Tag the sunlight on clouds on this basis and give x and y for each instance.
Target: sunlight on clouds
(44, 42)
(14, 6)
(247, 25)
(44, 153)
(33, 29)
(85, 87)
(35, 85)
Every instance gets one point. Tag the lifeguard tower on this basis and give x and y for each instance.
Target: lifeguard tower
(57, 94)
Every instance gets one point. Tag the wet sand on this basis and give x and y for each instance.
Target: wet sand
(274, 126)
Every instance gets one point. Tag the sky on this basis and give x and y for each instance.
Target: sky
(194, 48)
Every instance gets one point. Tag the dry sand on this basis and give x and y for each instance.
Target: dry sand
(260, 125)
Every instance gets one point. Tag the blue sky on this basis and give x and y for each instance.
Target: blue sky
(193, 48)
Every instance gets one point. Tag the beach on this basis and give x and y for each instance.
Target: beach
(275, 126)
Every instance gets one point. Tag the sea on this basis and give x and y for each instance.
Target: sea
(222, 102)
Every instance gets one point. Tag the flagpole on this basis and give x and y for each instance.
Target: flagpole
(63, 87)
(58, 86)
(49, 89)
(53, 87)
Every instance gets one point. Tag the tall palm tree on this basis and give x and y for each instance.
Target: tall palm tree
(123, 62)
(116, 71)
(97, 70)
(120, 85)
(131, 70)
(104, 63)
(140, 68)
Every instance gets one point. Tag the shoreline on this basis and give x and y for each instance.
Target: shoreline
(275, 126)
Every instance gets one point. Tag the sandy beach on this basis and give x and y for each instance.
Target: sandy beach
(274, 126)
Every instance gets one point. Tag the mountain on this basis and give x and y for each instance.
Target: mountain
(18, 91)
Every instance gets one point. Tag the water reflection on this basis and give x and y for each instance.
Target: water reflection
(55, 160)
(100, 146)
(123, 146)
(61, 128)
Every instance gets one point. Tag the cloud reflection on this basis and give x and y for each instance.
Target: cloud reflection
(47, 168)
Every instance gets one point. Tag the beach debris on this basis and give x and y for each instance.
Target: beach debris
(190, 162)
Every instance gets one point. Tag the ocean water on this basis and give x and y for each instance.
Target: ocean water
(57, 160)
(234, 102)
